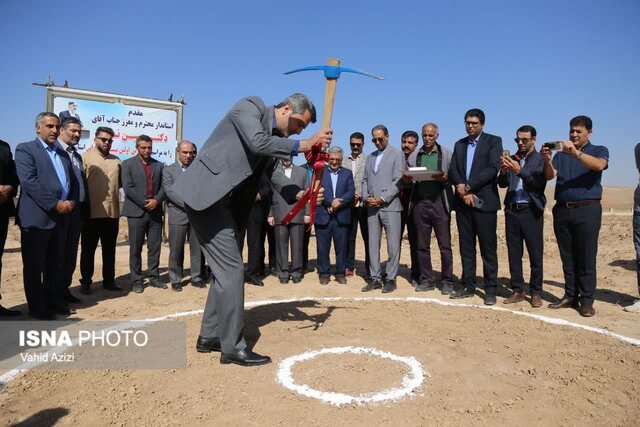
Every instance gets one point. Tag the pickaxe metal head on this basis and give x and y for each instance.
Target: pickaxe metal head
(333, 72)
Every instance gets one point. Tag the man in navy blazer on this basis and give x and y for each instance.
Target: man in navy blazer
(49, 194)
(473, 170)
(333, 217)
(144, 194)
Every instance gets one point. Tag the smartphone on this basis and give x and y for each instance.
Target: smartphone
(506, 153)
(553, 145)
(477, 202)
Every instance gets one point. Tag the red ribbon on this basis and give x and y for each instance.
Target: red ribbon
(316, 158)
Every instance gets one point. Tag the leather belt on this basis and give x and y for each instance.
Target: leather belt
(578, 203)
(517, 206)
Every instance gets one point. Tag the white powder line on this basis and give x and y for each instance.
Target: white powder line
(410, 382)
(13, 373)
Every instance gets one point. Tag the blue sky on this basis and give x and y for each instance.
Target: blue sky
(522, 62)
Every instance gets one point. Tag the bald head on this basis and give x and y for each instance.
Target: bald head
(186, 152)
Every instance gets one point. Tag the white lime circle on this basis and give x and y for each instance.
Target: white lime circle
(410, 382)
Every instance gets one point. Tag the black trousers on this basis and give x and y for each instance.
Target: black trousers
(525, 226)
(104, 230)
(150, 226)
(358, 217)
(407, 219)
(577, 232)
(256, 233)
(4, 228)
(42, 251)
(473, 224)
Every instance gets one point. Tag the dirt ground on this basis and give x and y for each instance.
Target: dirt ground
(481, 366)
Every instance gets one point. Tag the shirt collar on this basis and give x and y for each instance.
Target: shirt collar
(474, 141)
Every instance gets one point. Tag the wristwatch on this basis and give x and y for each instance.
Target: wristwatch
(467, 188)
(579, 154)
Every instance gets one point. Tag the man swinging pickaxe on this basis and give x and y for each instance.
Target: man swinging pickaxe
(317, 157)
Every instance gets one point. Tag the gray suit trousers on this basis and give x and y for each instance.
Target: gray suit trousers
(391, 223)
(151, 226)
(285, 234)
(178, 233)
(223, 315)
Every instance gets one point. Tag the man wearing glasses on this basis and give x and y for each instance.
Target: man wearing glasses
(523, 176)
(356, 162)
(474, 166)
(103, 172)
(380, 191)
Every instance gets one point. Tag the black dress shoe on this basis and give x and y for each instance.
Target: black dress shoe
(255, 281)
(43, 315)
(462, 293)
(341, 280)
(156, 283)
(375, 284)
(284, 280)
(565, 302)
(324, 280)
(389, 286)
(177, 287)
(85, 288)
(489, 300)
(112, 287)
(5, 312)
(138, 287)
(62, 310)
(587, 310)
(69, 297)
(244, 357)
(207, 345)
(198, 283)
(296, 280)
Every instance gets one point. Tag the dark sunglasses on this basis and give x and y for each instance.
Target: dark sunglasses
(378, 139)
(524, 140)
(105, 140)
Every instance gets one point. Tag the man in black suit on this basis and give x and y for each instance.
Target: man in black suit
(144, 193)
(473, 170)
(257, 231)
(71, 112)
(68, 140)
(8, 189)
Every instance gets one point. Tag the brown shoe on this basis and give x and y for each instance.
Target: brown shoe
(348, 272)
(565, 302)
(536, 300)
(586, 310)
(515, 298)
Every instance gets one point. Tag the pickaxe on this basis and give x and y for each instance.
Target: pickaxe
(331, 73)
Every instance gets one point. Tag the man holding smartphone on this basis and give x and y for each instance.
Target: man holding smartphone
(523, 176)
(577, 213)
(474, 166)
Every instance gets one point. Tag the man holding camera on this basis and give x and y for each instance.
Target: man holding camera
(577, 213)
(523, 176)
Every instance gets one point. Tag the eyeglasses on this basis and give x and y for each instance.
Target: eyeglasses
(356, 145)
(523, 140)
(105, 140)
(378, 139)
(468, 123)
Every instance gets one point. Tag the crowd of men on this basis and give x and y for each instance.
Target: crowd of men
(69, 200)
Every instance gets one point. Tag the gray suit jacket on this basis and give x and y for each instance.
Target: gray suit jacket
(386, 181)
(134, 184)
(175, 206)
(238, 151)
(279, 206)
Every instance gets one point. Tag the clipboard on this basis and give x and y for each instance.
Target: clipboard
(422, 174)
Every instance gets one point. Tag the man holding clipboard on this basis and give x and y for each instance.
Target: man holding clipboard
(430, 208)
